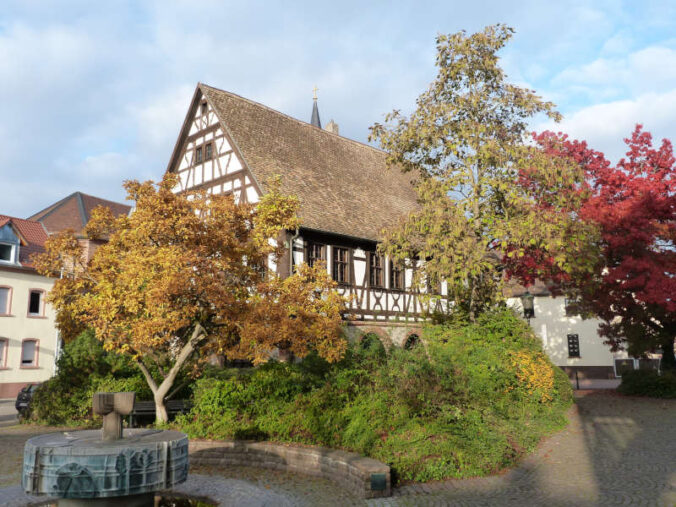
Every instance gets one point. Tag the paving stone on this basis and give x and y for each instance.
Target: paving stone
(615, 451)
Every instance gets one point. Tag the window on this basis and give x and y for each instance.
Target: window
(35, 306)
(198, 156)
(571, 307)
(5, 300)
(204, 108)
(340, 265)
(573, 345)
(376, 277)
(208, 149)
(4, 343)
(396, 276)
(29, 353)
(314, 252)
(6, 252)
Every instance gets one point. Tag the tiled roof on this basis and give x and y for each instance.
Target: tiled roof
(344, 186)
(74, 211)
(33, 237)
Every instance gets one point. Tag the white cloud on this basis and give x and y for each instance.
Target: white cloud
(604, 126)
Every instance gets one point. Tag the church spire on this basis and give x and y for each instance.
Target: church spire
(315, 110)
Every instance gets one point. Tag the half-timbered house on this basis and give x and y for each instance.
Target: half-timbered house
(229, 144)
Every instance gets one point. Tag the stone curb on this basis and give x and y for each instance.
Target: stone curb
(361, 476)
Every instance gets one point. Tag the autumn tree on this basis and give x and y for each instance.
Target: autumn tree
(633, 205)
(467, 142)
(184, 276)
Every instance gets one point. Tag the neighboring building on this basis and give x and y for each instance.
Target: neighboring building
(229, 144)
(29, 341)
(73, 212)
(572, 343)
(28, 336)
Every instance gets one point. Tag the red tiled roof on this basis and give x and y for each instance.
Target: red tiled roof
(73, 212)
(32, 235)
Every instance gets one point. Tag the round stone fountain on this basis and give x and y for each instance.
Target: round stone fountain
(105, 467)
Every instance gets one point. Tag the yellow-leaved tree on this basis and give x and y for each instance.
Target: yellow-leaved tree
(184, 277)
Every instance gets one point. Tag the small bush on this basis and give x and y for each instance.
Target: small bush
(468, 402)
(84, 368)
(648, 383)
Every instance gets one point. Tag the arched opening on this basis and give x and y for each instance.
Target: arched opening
(412, 341)
(370, 344)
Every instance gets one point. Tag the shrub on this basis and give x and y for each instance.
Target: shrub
(470, 401)
(648, 383)
(83, 368)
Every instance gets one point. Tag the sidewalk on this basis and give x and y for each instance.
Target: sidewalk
(8, 414)
(596, 383)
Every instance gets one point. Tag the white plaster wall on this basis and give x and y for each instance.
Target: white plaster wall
(552, 325)
(18, 326)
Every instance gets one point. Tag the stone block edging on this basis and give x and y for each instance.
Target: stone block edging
(364, 477)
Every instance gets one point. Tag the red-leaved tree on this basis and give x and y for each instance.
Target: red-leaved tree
(633, 206)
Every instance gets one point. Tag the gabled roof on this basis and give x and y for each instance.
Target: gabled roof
(32, 235)
(344, 186)
(73, 212)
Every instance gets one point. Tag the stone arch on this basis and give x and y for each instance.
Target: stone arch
(356, 333)
(412, 341)
(372, 341)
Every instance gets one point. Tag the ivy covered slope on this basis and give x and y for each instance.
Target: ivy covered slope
(469, 402)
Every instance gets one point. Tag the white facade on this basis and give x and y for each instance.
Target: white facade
(553, 326)
(29, 340)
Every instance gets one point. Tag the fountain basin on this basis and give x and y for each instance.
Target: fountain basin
(80, 465)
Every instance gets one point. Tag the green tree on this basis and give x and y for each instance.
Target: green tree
(467, 143)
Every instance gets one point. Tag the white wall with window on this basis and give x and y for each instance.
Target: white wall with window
(28, 335)
(569, 340)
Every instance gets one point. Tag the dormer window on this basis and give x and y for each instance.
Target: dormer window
(7, 252)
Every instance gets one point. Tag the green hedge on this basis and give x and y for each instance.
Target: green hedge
(468, 402)
(648, 383)
(84, 368)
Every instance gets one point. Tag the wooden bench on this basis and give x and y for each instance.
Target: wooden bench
(147, 409)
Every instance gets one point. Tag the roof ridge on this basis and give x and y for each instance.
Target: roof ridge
(304, 123)
(53, 206)
(10, 217)
(103, 199)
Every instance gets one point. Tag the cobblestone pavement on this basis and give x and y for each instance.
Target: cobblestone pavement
(616, 451)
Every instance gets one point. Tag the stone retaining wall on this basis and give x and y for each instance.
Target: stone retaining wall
(364, 477)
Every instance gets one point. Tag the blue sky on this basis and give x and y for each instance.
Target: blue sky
(93, 93)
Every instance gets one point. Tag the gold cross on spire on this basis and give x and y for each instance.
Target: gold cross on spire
(314, 92)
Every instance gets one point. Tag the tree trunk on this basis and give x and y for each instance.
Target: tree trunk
(161, 391)
(161, 415)
(668, 359)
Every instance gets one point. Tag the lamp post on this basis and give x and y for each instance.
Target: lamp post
(527, 302)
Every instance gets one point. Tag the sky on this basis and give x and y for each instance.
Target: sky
(94, 93)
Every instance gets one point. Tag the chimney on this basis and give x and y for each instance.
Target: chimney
(332, 127)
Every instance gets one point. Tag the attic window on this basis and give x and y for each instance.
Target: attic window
(198, 155)
(6, 252)
(208, 149)
(204, 108)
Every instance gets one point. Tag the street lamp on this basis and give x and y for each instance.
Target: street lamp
(527, 302)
